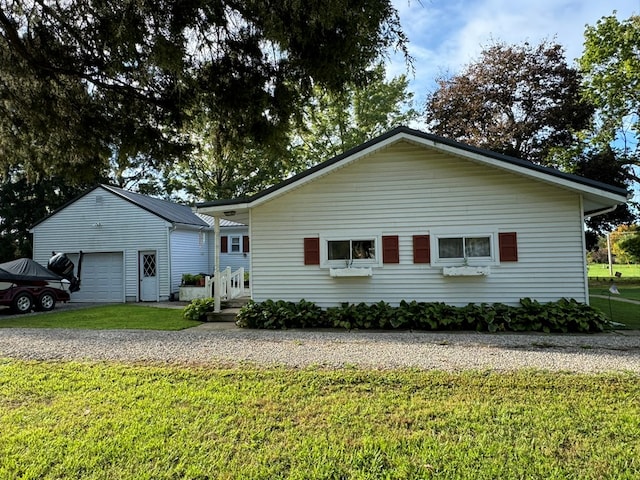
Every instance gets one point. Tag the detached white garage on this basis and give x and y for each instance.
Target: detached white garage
(135, 248)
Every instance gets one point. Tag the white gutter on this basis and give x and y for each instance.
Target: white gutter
(601, 212)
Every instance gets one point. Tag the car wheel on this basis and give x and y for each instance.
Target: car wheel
(23, 302)
(46, 302)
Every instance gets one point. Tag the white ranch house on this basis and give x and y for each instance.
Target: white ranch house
(135, 247)
(414, 216)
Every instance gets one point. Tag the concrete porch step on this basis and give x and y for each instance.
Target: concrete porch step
(225, 315)
(235, 302)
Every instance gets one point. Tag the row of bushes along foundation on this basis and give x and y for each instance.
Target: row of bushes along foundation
(561, 316)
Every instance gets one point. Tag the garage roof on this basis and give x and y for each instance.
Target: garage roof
(169, 211)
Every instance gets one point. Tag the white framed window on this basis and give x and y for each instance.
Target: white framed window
(235, 244)
(350, 250)
(449, 248)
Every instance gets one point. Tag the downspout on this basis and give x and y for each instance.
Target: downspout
(251, 254)
(585, 270)
(170, 230)
(594, 214)
(216, 271)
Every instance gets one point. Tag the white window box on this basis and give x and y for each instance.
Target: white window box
(351, 272)
(466, 271)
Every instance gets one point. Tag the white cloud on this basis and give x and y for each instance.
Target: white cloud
(445, 35)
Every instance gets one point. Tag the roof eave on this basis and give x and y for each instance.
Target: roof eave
(610, 194)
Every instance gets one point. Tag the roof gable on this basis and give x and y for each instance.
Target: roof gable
(166, 210)
(609, 194)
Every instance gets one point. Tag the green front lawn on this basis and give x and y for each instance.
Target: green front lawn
(104, 421)
(107, 317)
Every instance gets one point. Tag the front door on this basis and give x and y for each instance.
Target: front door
(148, 277)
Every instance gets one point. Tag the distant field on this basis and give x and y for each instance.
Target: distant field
(602, 270)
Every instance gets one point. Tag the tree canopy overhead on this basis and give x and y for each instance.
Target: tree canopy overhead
(335, 122)
(331, 123)
(611, 67)
(520, 100)
(125, 76)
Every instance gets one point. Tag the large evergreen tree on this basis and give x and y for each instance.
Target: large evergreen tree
(93, 88)
(90, 78)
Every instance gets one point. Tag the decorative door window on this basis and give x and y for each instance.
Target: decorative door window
(149, 265)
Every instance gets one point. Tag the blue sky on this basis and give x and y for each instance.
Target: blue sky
(445, 35)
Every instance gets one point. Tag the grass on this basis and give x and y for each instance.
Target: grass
(105, 421)
(626, 289)
(617, 311)
(601, 270)
(105, 318)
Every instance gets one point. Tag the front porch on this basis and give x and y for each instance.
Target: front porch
(230, 285)
(226, 285)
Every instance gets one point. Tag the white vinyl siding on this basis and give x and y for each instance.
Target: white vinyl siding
(235, 260)
(103, 222)
(190, 253)
(407, 190)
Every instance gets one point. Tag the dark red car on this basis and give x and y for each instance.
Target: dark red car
(26, 285)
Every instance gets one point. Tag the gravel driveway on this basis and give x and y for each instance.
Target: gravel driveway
(216, 344)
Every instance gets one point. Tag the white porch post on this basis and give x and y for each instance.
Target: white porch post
(216, 272)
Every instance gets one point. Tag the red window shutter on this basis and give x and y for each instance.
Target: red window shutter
(390, 249)
(245, 243)
(312, 251)
(508, 247)
(224, 244)
(421, 249)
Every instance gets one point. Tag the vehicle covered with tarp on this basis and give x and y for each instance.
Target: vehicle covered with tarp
(26, 285)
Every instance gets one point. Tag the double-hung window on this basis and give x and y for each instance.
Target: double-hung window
(235, 244)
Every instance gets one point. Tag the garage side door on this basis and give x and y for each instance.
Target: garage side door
(102, 278)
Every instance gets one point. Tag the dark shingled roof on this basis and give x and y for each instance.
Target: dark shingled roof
(169, 211)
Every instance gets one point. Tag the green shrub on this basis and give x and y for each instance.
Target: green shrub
(280, 314)
(197, 310)
(561, 317)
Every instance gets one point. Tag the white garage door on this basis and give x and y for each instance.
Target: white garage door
(102, 278)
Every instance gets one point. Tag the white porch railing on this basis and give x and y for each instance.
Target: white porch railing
(231, 283)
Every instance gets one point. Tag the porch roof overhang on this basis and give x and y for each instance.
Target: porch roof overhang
(597, 197)
(227, 209)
